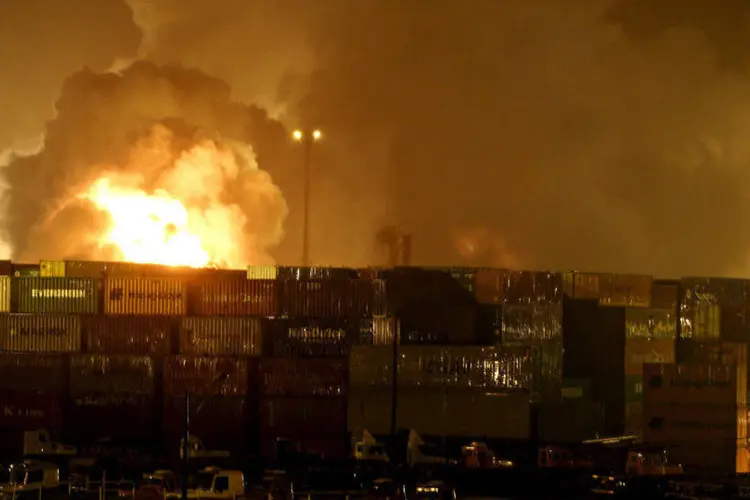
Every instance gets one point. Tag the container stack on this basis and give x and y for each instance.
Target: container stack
(701, 411)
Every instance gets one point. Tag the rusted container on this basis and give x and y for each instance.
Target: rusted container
(701, 321)
(303, 377)
(715, 291)
(146, 335)
(223, 423)
(30, 410)
(648, 323)
(625, 290)
(326, 298)
(712, 353)
(40, 333)
(441, 412)
(206, 376)
(525, 287)
(694, 384)
(220, 336)
(92, 374)
(284, 337)
(41, 372)
(640, 351)
(303, 418)
(25, 270)
(500, 369)
(664, 294)
(532, 323)
(734, 324)
(57, 295)
(145, 296)
(234, 297)
(5, 294)
(93, 417)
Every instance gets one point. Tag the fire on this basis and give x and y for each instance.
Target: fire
(146, 228)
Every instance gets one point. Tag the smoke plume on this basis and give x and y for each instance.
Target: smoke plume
(150, 129)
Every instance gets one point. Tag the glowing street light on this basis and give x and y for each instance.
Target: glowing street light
(306, 139)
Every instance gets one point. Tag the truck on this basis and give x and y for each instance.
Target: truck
(197, 450)
(214, 482)
(29, 478)
(15, 445)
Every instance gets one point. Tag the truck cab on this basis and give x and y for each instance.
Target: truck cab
(477, 455)
(29, 476)
(367, 448)
(213, 482)
(40, 443)
(420, 453)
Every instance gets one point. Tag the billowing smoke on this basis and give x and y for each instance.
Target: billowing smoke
(150, 146)
(597, 134)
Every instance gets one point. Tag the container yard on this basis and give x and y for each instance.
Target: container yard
(97, 351)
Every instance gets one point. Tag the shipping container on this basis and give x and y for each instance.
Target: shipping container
(634, 419)
(101, 269)
(734, 325)
(25, 270)
(262, 273)
(234, 297)
(129, 334)
(92, 374)
(526, 287)
(52, 268)
(576, 388)
(639, 351)
(94, 417)
(328, 298)
(694, 384)
(289, 273)
(283, 337)
(489, 328)
(223, 423)
(30, 410)
(625, 290)
(40, 333)
(57, 295)
(570, 421)
(497, 369)
(40, 372)
(441, 412)
(220, 336)
(664, 294)
(584, 286)
(700, 321)
(315, 418)
(206, 376)
(144, 296)
(532, 323)
(303, 377)
(695, 423)
(489, 286)
(633, 389)
(717, 459)
(464, 276)
(647, 323)
(6, 268)
(715, 291)
(447, 324)
(416, 288)
(716, 353)
(5, 294)
(383, 330)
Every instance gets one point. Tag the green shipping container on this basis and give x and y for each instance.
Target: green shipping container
(56, 295)
(633, 389)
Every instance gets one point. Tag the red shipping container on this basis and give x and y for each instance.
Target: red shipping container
(130, 334)
(206, 375)
(303, 377)
(221, 423)
(303, 418)
(33, 371)
(30, 410)
(235, 297)
(96, 416)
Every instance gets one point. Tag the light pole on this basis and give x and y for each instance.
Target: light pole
(307, 139)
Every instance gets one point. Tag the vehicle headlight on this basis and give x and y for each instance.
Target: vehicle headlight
(427, 489)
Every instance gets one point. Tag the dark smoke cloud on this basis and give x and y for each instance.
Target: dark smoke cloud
(138, 121)
(42, 42)
(598, 134)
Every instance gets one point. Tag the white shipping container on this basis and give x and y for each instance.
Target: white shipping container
(442, 413)
(40, 333)
(220, 336)
(5, 294)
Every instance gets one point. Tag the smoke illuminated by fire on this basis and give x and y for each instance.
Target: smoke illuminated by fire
(208, 206)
